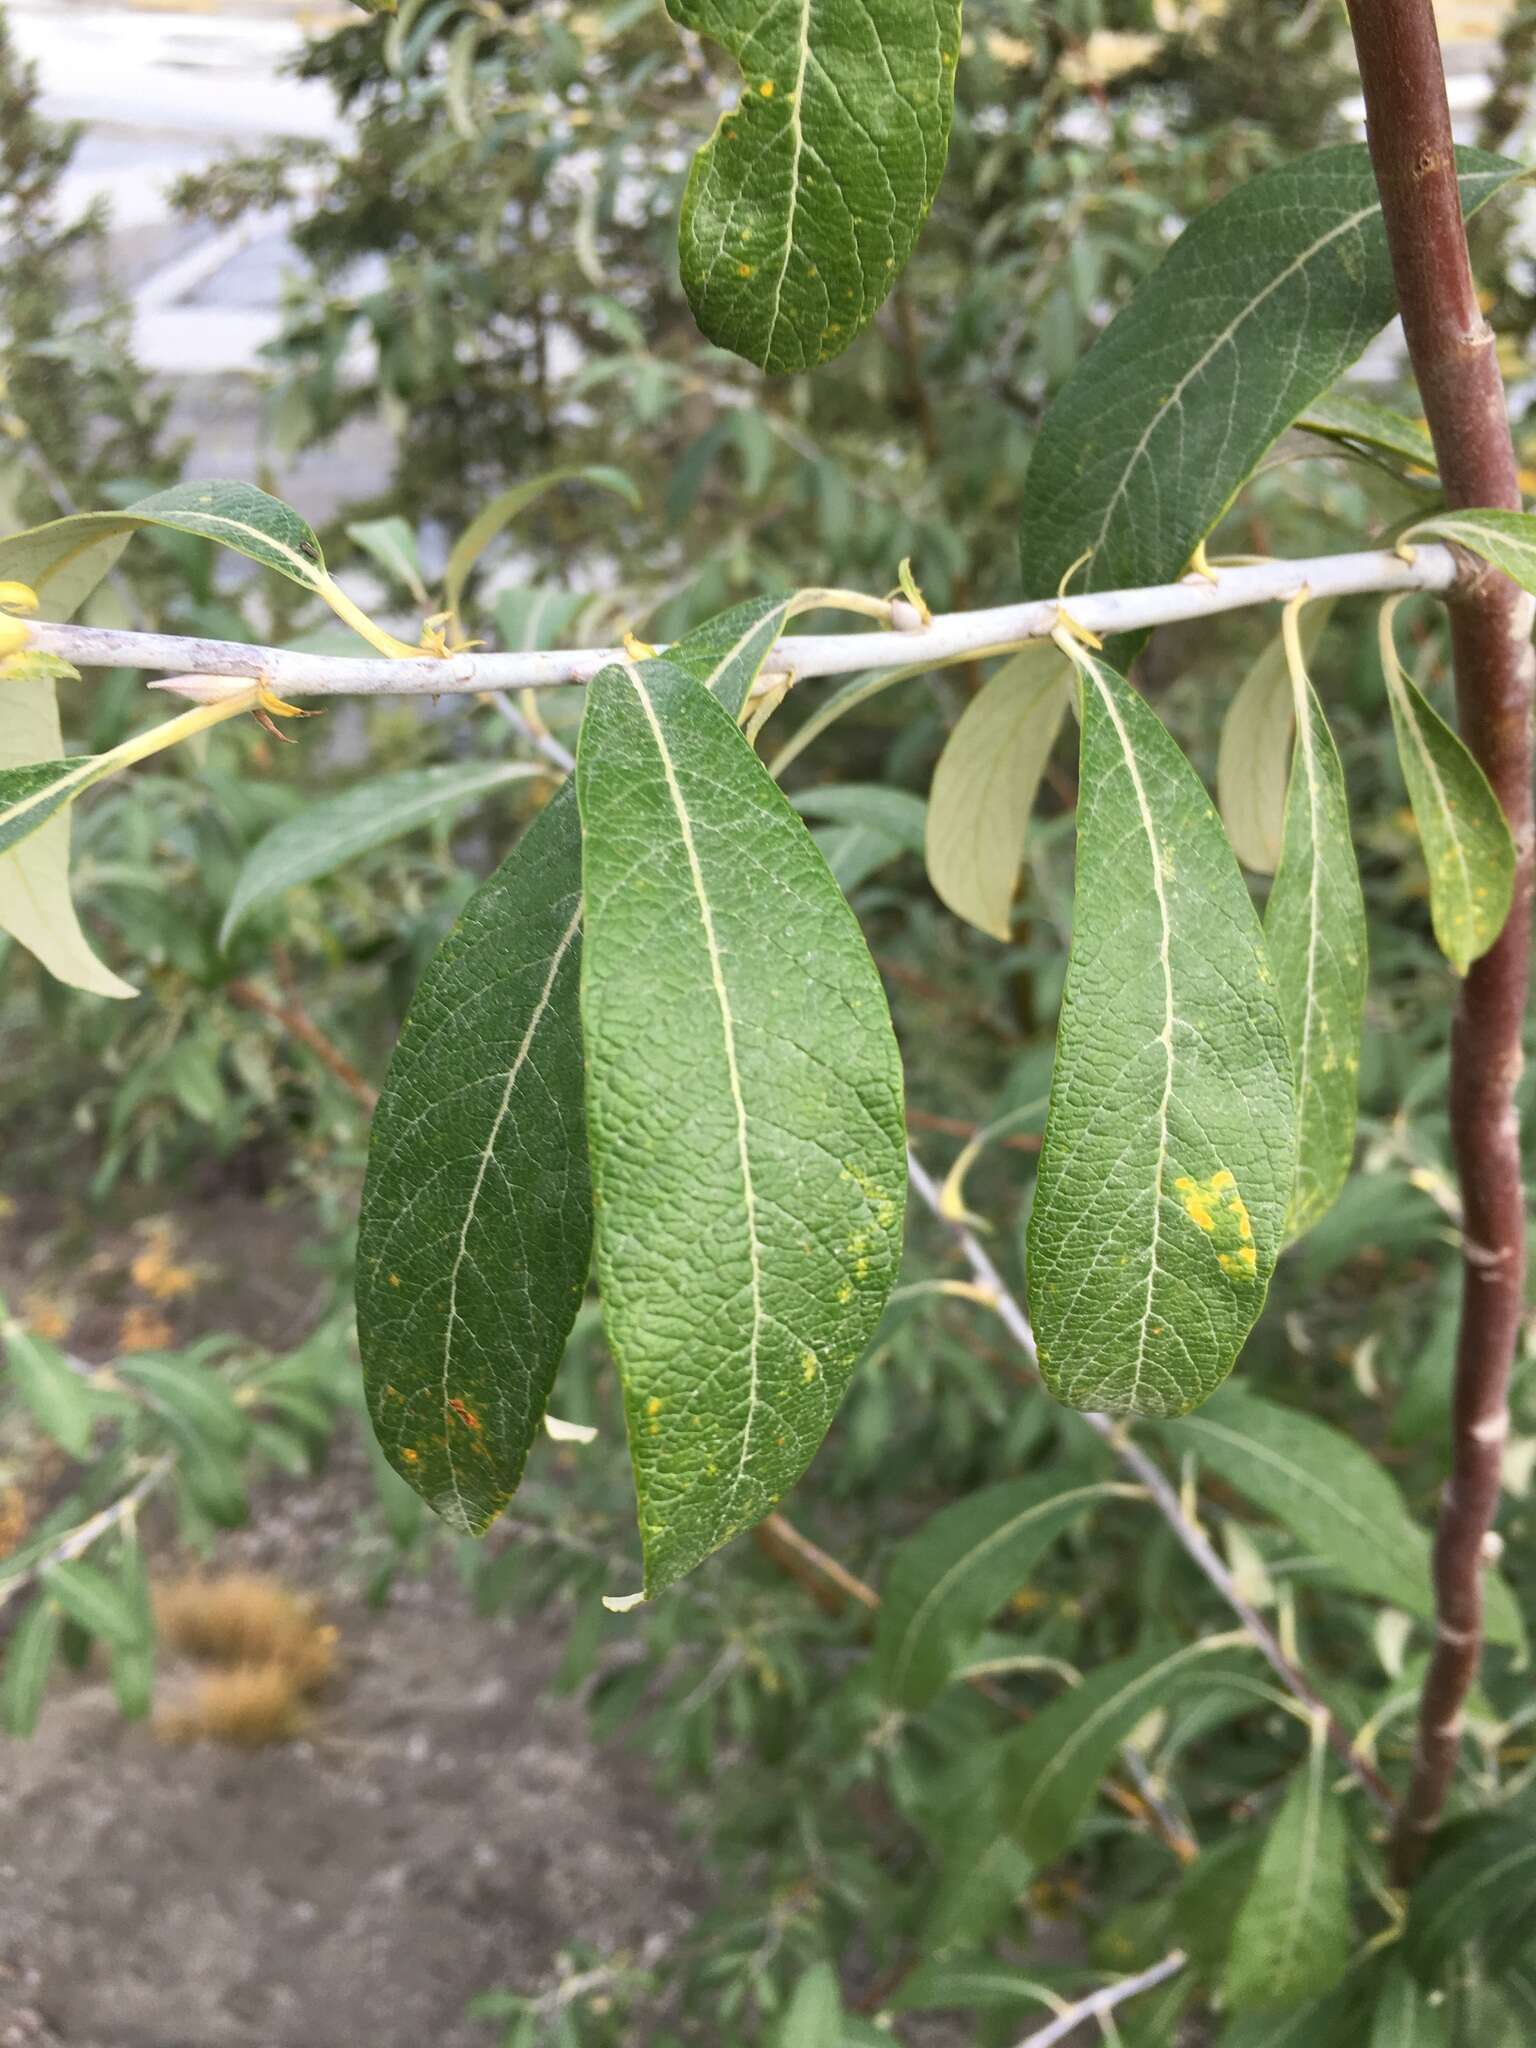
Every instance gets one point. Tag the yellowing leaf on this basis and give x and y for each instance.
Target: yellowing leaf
(985, 782)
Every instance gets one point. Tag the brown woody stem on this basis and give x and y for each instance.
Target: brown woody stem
(1456, 365)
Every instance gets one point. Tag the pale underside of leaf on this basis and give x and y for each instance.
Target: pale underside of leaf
(1314, 925)
(744, 1109)
(803, 206)
(1254, 756)
(1468, 851)
(1265, 300)
(985, 783)
(1506, 539)
(1166, 1164)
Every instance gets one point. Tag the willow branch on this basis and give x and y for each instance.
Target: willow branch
(949, 637)
(1408, 128)
(1164, 1498)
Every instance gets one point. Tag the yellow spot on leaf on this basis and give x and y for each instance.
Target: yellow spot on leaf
(394, 1279)
(654, 1405)
(1216, 1207)
(767, 88)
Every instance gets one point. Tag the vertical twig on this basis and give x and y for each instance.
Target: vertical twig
(1456, 365)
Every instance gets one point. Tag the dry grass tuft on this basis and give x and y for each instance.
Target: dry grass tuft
(267, 1649)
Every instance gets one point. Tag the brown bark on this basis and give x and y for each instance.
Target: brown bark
(1455, 363)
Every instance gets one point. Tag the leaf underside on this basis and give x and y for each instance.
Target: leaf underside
(1314, 925)
(1263, 302)
(807, 200)
(1253, 759)
(1166, 1165)
(744, 1108)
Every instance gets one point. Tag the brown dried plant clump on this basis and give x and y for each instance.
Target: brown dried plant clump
(264, 1653)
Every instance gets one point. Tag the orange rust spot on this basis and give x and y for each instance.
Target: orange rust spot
(410, 1456)
(467, 1416)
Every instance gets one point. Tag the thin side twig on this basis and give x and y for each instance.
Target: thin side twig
(1164, 1498)
(1102, 2002)
(1455, 361)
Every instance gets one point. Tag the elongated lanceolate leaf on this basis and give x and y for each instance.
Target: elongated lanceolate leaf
(476, 1224)
(1468, 850)
(1406, 2016)
(947, 1581)
(1054, 1764)
(744, 1105)
(1507, 539)
(29, 1659)
(1262, 303)
(1343, 415)
(58, 1399)
(1331, 1494)
(326, 835)
(1253, 760)
(1293, 1936)
(501, 511)
(1314, 925)
(1166, 1166)
(1480, 1886)
(807, 200)
(985, 783)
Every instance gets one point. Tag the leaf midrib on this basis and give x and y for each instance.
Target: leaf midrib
(738, 1100)
(797, 131)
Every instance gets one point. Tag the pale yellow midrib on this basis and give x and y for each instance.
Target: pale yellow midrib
(519, 1061)
(728, 1033)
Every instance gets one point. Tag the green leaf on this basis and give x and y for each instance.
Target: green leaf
(35, 903)
(133, 1664)
(1468, 850)
(1293, 1936)
(98, 1602)
(476, 1161)
(324, 836)
(894, 813)
(1331, 1494)
(58, 1399)
(1166, 1164)
(946, 1582)
(1053, 1765)
(744, 1103)
(1507, 539)
(813, 2018)
(392, 544)
(1343, 415)
(28, 1661)
(25, 800)
(502, 510)
(1262, 303)
(801, 209)
(846, 697)
(1480, 1886)
(985, 783)
(976, 1986)
(1330, 2022)
(197, 1397)
(476, 1221)
(237, 516)
(1314, 925)
(1253, 759)
(1405, 2015)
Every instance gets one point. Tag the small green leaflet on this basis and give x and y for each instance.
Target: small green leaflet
(501, 511)
(1293, 1937)
(1166, 1165)
(1332, 1495)
(28, 1660)
(1053, 1766)
(392, 544)
(807, 200)
(95, 1600)
(744, 1109)
(1314, 926)
(326, 835)
(30, 795)
(1507, 539)
(1262, 304)
(476, 1224)
(985, 783)
(477, 1168)
(1468, 850)
(1480, 1886)
(191, 1395)
(1253, 759)
(58, 1399)
(947, 1581)
(1342, 415)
